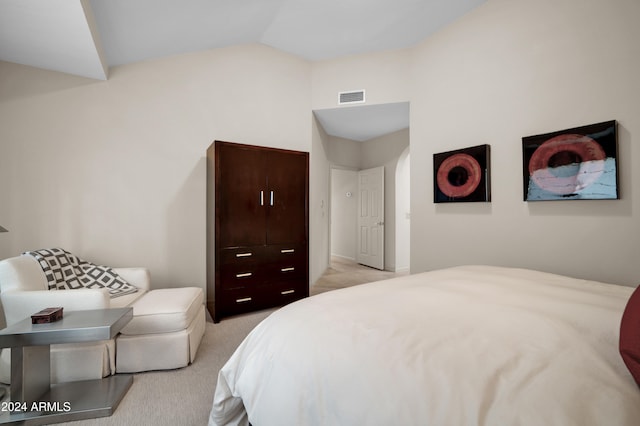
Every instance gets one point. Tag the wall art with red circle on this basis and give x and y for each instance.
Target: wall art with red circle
(573, 164)
(462, 175)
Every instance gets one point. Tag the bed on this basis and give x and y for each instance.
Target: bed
(469, 345)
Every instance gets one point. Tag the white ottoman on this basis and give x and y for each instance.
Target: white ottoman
(165, 332)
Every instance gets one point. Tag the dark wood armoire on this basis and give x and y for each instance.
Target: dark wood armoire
(257, 228)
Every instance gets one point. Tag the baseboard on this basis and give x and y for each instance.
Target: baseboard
(352, 259)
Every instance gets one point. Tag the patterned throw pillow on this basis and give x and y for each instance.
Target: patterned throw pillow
(65, 271)
(630, 335)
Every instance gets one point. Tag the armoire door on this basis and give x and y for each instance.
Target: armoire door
(241, 196)
(287, 182)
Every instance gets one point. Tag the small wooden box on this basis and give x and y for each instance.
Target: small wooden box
(46, 315)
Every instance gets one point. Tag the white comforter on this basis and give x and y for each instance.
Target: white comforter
(472, 345)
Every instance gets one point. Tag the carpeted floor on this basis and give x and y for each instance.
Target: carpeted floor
(346, 273)
(184, 396)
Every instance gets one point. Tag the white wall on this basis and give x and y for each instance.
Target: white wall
(513, 68)
(403, 212)
(318, 203)
(114, 170)
(344, 213)
(384, 76)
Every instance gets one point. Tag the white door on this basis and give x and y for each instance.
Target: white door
(371, 218)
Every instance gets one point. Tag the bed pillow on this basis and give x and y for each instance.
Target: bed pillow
(630, 335)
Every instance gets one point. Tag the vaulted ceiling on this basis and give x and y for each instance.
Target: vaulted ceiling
(87, 37)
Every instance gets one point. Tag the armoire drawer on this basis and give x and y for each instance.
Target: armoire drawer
(286, 270)
(241, 267)
(287, 291)
(286, 262)
(242, 300)
(243, 275)
(242, 255)
(293, 252)
(239, 301)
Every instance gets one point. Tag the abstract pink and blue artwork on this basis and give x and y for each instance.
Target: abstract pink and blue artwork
(573, 164)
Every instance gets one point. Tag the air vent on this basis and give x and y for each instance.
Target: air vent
(355, 96)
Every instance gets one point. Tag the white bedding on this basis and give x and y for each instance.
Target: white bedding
(473, 345)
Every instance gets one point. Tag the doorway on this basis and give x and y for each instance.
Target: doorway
(344, 204)
(370, 218)
(357, 138)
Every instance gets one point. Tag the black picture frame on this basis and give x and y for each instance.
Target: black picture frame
(580, 163)
(462, 175)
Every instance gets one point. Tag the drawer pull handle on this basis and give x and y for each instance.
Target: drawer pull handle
(287, 292)
(246, 299)
(244, 254)
(244, 275)
(287, 251)
(287, 269)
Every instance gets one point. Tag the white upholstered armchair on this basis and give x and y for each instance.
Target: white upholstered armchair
(24, 291)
